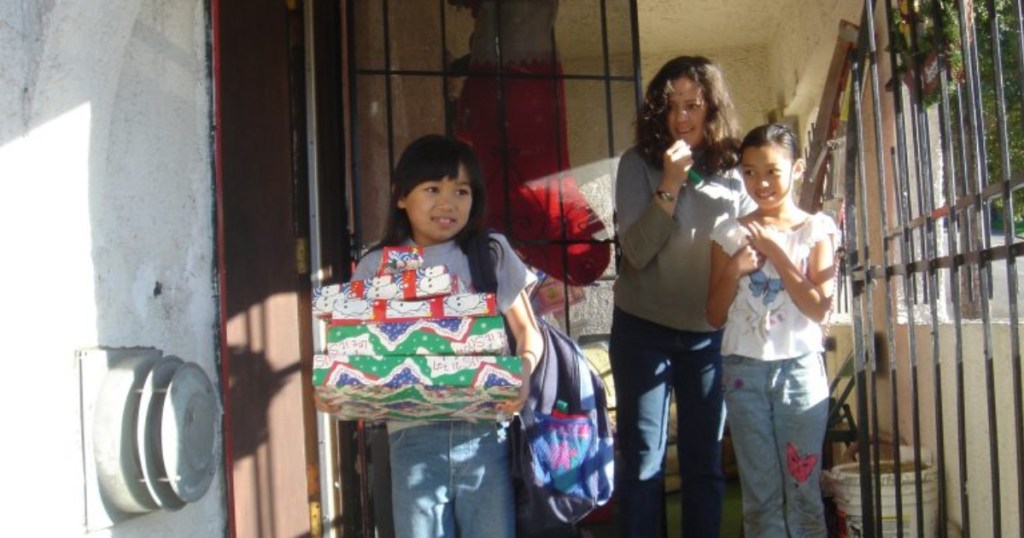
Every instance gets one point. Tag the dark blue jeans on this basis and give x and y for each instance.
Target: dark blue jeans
(649, 361)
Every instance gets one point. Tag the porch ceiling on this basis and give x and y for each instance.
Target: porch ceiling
(775, 53)
(709, 25)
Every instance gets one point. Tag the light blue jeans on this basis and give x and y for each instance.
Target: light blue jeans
(452, 479)
(777, 417)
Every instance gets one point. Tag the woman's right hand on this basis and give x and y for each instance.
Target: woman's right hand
(675, 164)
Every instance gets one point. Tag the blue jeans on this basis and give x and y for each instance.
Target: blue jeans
(452, 479)
(649, 362)
(780, 405)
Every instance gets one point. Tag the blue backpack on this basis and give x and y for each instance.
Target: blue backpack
(563, 456)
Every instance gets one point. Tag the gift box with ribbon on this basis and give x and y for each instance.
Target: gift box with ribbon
(402, 348)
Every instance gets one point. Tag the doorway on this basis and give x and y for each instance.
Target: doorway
(545, 92)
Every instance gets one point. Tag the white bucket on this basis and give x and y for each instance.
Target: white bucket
(848, 502)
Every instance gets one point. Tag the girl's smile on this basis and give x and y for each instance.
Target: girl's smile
(438, 209)
(769, 174)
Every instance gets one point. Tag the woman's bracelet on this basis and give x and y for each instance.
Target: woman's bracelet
(665, 195)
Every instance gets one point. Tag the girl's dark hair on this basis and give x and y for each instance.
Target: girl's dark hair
(430, 158)
(721, 129)
(774, 134)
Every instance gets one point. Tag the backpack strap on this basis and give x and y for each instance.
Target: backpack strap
(558, 376)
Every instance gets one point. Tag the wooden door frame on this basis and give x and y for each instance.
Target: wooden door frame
(263, 267)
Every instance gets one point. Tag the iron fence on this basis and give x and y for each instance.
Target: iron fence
(932, 215)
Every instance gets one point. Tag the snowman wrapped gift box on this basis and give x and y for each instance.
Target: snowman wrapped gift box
(421, 350)
(418, 387)
(420, 283)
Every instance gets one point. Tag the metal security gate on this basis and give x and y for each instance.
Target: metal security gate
(930, 197)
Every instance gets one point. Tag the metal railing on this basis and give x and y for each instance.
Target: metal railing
(932, 213)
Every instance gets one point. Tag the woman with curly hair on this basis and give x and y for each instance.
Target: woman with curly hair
(672, 188)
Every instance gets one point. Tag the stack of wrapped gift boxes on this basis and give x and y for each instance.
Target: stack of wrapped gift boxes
(413, 344)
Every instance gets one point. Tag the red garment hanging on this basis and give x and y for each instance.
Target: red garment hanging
(531, 199)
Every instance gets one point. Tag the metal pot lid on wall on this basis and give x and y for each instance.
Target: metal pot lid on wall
(187, 432)
(150, 423)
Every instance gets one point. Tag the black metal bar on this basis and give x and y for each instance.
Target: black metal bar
(388, 97)
(964, 191)
(365, 498)
(901, 173)
(483, 74)
(556, 105)
(609, 124)
(355, 163)
(352, 514)
(638, 76)
(609, 118)
(979, 173)
(901, 182)
(950, 194)
(999, 83)
(922, 138)
(856, 237)
(976, 179)
(499, 84)
(870, 53)
(1009, 236)
(638, 99)
(955, 282)
(445, 69)
(981, 179)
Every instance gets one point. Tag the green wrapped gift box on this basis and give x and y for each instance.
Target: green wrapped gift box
(419, 387)
(484, 335)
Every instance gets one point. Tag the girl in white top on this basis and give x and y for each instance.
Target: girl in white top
(771, 285)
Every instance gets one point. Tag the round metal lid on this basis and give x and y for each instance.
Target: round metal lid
(150, 422)
(118, 468)
(187, 432)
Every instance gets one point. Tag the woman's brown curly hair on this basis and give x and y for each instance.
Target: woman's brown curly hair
(721, 129)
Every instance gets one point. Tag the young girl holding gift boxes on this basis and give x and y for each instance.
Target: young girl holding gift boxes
(453, 478)
(771, 285)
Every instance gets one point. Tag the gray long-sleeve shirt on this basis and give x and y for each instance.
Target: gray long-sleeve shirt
(666, 260)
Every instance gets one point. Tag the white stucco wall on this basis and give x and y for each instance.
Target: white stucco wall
(801, 53)
(775, 55)
(107, 216)
(745, 69)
